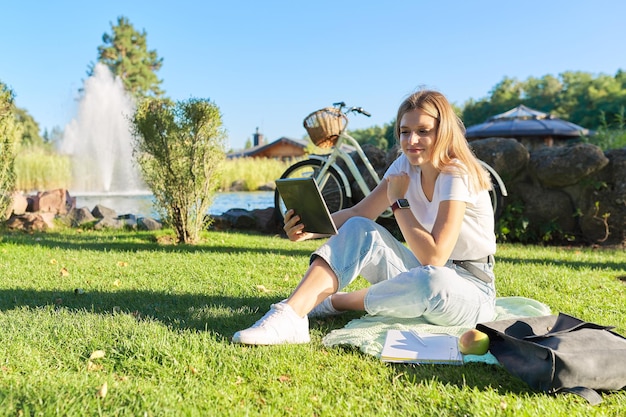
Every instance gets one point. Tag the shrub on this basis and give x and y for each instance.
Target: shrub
(180, 150)
(9, 137)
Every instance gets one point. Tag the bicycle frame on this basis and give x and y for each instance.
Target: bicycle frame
(338, 153)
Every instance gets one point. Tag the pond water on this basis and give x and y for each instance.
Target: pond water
(142, 204)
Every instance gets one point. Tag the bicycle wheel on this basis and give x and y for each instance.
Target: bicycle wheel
(332, 187)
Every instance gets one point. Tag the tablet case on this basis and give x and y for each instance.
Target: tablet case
(304, 197)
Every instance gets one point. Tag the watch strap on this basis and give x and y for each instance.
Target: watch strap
(396, 205)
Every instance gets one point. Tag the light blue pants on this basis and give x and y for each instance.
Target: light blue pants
(401, 287)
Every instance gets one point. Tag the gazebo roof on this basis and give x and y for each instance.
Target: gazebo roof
(523, 121)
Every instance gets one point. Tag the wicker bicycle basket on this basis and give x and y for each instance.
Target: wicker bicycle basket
(324, 126)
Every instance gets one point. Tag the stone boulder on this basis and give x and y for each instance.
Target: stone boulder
(148, 223)
(262, 220)
(239, 218)
(543, 207)
(18, 205)
(100, 212)
(108, 223)
(78, 217)
(53, 201)
(561, 166)
(602, 201)
(507, 156)
(31, 222)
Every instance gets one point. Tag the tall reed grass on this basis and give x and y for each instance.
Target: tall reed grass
(250, 174)
(37, 168)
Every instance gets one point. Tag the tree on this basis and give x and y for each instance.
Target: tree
(180, 150)
(30, 128)
(381, 137)
(126, 53)
(9, 138)
(576, 96)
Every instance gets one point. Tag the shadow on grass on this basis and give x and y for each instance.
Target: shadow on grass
(222, 315)
(136, 242)
(617, 266)
(480, 376)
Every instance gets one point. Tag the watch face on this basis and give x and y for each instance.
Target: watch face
(403, 203)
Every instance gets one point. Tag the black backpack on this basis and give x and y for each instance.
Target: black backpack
(560, 354)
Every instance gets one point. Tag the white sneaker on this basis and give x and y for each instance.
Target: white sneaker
(279, 325)
(325, 308)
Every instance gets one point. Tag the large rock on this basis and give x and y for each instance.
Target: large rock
(17, 206)
(31, 222)
(602, 202)
(507, 156)
(240, 218)
(148, 223)
(78, 217)
(53, 201)
(566, 165)
(100, 212)
(545, 207)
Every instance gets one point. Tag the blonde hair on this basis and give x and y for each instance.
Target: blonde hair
(450, 143)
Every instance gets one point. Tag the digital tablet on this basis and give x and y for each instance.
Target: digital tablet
(304, 197)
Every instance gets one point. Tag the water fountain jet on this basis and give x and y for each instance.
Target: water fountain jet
(99, 140)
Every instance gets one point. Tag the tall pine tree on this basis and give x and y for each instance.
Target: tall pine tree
(125, 52)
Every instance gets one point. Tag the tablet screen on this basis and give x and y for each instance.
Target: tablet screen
(304, 197)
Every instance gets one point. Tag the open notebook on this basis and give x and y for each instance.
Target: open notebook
(304, 197)
(412, 347)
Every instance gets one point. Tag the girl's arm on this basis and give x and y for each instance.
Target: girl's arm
(433, 248)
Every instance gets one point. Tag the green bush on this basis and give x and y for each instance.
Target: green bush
(9, 137)
(180, 150)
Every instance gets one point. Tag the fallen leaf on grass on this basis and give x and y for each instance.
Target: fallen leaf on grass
(262, 288)
(122, 263)
(93, 366)
(64, 272)
(117, 283)
(284, 378)
(193, 370)
(97, 354)
(102, 391)
(53, 261)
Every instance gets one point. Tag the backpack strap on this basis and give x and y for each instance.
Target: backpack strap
(592, 396)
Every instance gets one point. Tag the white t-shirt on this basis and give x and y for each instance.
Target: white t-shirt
(477, 238)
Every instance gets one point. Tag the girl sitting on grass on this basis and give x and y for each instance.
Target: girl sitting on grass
(439, 195)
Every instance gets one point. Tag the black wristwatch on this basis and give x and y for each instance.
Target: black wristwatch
(400, 204)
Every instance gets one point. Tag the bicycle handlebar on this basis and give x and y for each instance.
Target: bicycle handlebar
(340, 105)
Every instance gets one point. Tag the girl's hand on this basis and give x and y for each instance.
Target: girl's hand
(397, 186)
(294, 228)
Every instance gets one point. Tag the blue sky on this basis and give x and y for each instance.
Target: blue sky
(268, 64)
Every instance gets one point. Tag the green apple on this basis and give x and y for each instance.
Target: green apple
(473, 342)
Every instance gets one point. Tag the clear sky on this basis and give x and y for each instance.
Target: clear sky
(268, 64)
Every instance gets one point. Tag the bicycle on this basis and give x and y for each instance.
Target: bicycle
(327, 129)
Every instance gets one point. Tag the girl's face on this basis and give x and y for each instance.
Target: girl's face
(418, 131)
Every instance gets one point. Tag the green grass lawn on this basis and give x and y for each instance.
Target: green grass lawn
(164, 315)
